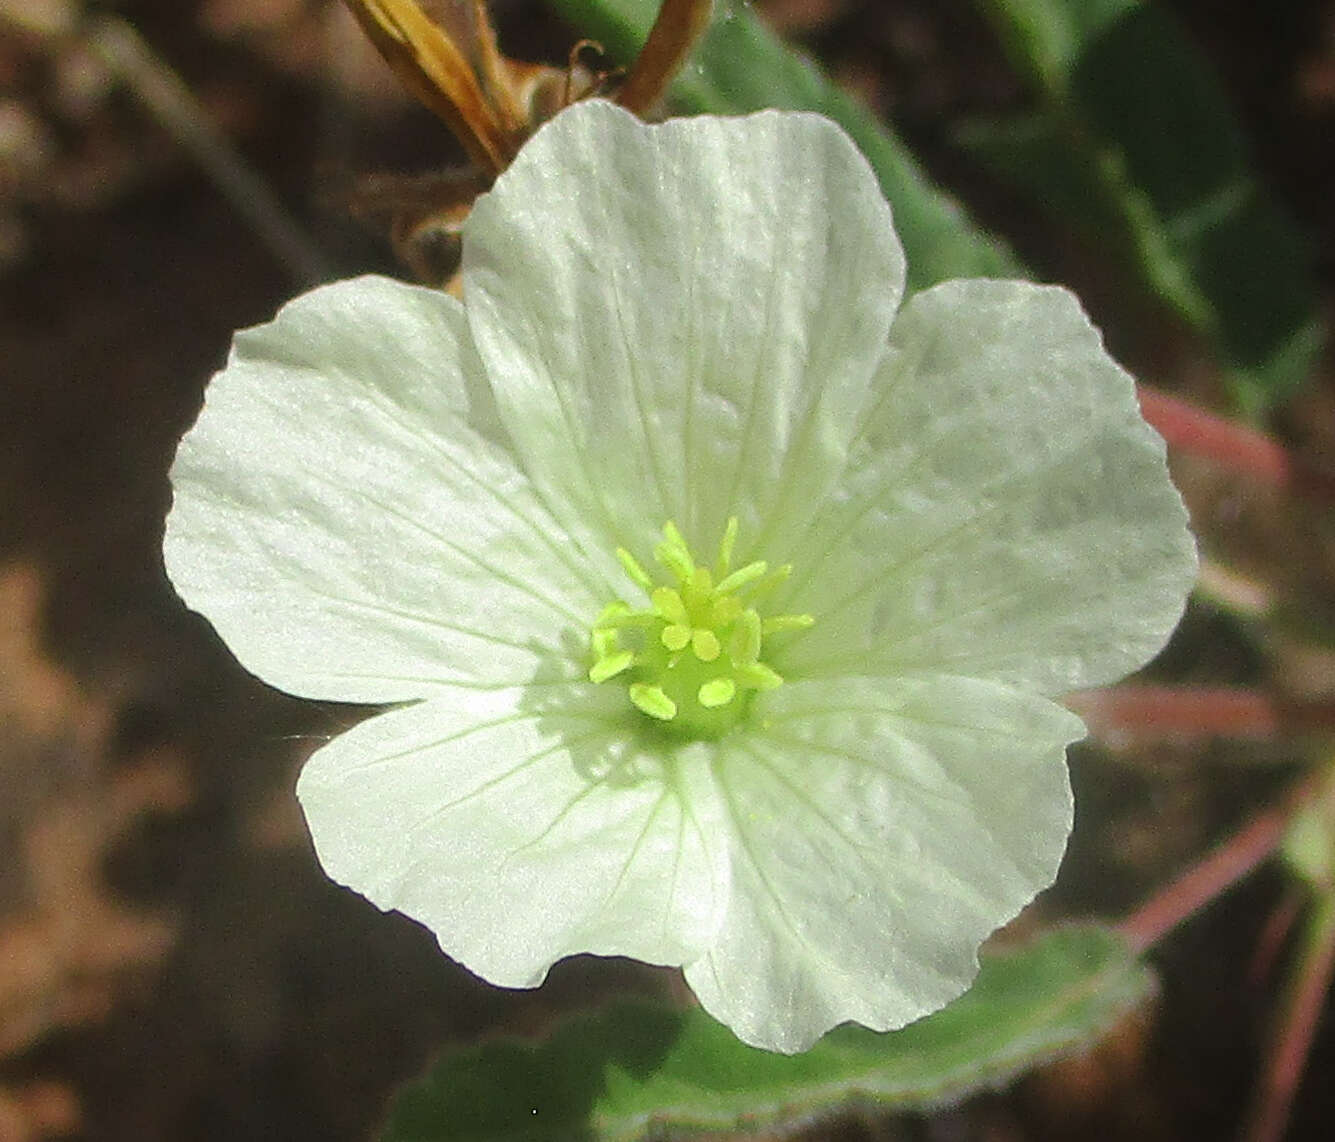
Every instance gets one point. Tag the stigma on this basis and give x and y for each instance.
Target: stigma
(691, 658)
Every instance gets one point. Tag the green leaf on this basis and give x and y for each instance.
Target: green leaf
(742, 66)
(1135, 142)
(1045, 37)
(634, 1070)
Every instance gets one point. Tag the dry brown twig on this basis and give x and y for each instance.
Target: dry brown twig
(448, 57)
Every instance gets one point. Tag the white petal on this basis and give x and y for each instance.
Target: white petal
(523, 826)
(344, 524)
(1008, 513)
(682, 321)
(881, 833)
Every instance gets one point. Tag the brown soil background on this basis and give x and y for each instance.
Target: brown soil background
(172, 963)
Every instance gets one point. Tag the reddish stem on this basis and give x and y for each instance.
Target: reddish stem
(1304, 1001)
(1189, 429)
(1143, 712)
(1275, 933)
(1216, 872)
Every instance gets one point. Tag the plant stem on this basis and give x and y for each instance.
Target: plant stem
(675, 32)
(1143, 712)
(1189, 429)
(163, 92)
(1304, 1000)
(1216, 872)
(1233, 591)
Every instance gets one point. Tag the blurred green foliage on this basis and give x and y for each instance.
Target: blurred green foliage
(635, 1070)
(1130, 141)
(740, 66)
(1133, 142)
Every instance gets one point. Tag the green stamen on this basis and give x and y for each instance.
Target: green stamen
(726, 544)
(725, 611)
(653, 701)
(668, 604)
(758, 676)
(705, 644)
(605, 643)
(764, 586)
(744, 646)
(777, 624)
(625, 619)
(716, 693)
(611, 666)
(675, 637)
(692, 660)
(674, 554)
(633, 569)
(744, 575)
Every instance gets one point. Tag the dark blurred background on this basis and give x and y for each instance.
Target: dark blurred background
(172, 963)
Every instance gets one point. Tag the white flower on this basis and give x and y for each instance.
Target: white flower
(392, 497)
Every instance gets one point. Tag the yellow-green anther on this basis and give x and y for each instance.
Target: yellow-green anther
(611, 615)
(725, 611)
(610, 666)
(652, 701)
(770, 581)
(674, 554)
(675, 637)
(743, 575)
(777, 624)
(669, 605)
(627, 620)
(716, 693)
(758, 676)
(691, 661)
(744, 645)
(705, 644)
(726, 544)
(634, 569)
(672, 534)
(701, 584)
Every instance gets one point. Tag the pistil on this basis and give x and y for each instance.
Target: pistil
(691, 659)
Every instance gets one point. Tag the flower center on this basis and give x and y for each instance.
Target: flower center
(691, 659)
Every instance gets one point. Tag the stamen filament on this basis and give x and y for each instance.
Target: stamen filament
(725, 611)
(607, 616)
(744, 575)
(610, 666)
(744, 646)
(777, 624)
(634, 569)
(769, 582)
(628, 620)
(669, 605)
(691, 661)
(726, 544)
(758, 676)
(700, 585)
(674, 554)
